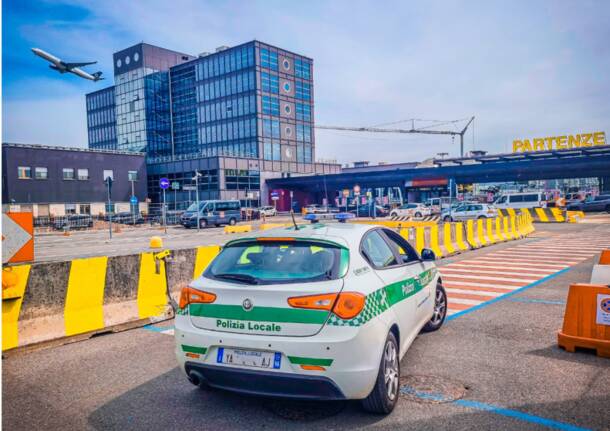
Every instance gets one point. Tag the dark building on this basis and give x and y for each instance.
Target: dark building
(57, 180)
(239, 115)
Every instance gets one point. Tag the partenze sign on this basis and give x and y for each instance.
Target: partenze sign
(559, 142)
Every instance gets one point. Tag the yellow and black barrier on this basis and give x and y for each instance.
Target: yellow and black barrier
(544, 215)
(78, 298)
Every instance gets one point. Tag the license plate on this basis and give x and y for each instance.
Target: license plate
(249, 358)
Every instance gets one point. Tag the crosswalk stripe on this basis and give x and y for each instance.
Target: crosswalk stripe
(501, 280)
(515, 269)
(471, 287)
(477, 284)
(496, 274)
(470, 296)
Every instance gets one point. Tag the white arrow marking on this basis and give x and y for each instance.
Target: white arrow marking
(14, 238)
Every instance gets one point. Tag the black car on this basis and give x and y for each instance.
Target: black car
(598, 203)
(367, 211)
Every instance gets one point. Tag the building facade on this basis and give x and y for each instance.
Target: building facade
(237, 116)
(55, 181)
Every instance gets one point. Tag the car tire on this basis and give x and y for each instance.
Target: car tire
(383, 398)
(232, 221)
(418, 214)
(440, 310)
(481, 218)
(203, 223)
(447, 219)
(393, 214)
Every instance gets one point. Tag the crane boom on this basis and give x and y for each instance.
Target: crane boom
(412, 130)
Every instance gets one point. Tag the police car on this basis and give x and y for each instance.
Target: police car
(323, 311)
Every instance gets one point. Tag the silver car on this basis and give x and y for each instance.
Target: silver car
(469, 211)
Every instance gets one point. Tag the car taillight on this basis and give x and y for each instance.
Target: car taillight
(188, 295)
(346, 305)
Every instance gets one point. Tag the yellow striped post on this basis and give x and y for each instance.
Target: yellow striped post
(499, 233)
(481, 233)
(204, 255)
(420, 241)
(459, 236)
(470, 234)
(151, 287)
(448, 243)
(434, 245)
(506, 229)
(12, 298)
(490, 231)
(513, 227)
(510, 211)
(84, 307)
(541, 214)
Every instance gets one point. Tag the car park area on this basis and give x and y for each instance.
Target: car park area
(494, 364)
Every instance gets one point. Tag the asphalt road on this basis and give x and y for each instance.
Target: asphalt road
(502, 358)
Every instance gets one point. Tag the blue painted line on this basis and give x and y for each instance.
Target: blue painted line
(538, 301)
(515, 414)
(475, 405)
(506, 295)
(157, 328)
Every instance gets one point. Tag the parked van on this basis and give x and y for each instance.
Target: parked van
(522, 200)
(212, 213)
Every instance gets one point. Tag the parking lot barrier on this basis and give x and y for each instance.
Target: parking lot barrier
(238, 228)
(491, 235)
(470, 238)
(420, 239)
(601, 271)
(481, 235)
(448, 239)
(434, 240)
(586, 322)
(203, 256)
(266, 226)
(459, 236)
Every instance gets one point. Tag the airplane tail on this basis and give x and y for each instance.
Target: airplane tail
(97, 76)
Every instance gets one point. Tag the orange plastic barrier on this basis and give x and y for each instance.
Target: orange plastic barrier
(604, 258)
(586, 323)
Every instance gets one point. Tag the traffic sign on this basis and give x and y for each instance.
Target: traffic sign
(133, 200)
(274, 198)
(17, 237)
(357, 190)
(164, 183)
(345, 193)
(188, 187)
(274, 194)
(175, 185)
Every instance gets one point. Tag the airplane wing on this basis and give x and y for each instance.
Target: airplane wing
(73, 65)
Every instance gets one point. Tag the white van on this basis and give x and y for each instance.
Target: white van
(521, 200)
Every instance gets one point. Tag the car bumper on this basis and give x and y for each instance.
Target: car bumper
(189, 222)
(350, 358)
(266, 383)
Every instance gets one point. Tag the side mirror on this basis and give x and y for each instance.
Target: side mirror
(427, 254)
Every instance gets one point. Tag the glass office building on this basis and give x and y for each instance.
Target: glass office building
(101, 120)
(238, 116)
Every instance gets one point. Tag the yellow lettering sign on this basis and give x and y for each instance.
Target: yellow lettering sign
(563, 142)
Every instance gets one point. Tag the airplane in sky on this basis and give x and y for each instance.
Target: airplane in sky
(62, 67)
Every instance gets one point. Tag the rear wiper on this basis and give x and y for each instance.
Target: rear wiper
(244, 278)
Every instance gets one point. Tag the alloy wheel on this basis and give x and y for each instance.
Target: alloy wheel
(391, 370)
(440, 307)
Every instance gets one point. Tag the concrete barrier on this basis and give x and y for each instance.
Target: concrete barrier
(238, 228)
(77, 299)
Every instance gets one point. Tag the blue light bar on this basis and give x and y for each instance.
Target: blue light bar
(311, 217)
(342, 217)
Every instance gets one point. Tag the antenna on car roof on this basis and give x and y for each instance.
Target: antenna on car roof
(296, 227)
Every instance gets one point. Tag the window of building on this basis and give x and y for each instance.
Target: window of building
(303, 90)
(41, 173)
(84, 209)
(24, 172)
(68, 173)
(109, 208)
(108, 173)
(303, 111)
(132, 175)
(70, 209)
(287, 87)
(302, 69)
(286, 64)
(271, 105)
(83, 174)
(268, 59)
(270, 83)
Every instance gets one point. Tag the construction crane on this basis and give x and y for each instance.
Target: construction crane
(411, 130)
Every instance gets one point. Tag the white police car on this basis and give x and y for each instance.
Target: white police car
(325, 311)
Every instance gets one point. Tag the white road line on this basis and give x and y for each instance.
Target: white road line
(515, 269)
(454, 271)
(482, 277)
(477, 284)
(524, 263)
(168, 332)
(531, 262)
(451, 290)
(464, 301)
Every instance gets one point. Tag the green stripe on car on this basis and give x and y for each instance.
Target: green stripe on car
(258, 314)
(310, 361)
(194, 349)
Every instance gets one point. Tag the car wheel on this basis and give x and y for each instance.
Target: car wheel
(447, 219)
(481, 217)
(440, 310)
(203, 223)
(384, 395)
(393, 215)
(232, 221)
(418, 215)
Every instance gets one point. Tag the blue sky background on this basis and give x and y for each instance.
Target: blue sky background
(523, 68)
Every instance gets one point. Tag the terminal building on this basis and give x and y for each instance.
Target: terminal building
(58, 181)
(238, 116)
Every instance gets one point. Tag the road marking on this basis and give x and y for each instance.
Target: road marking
(538, 301)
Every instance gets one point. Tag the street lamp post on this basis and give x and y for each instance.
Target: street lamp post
(196, 178)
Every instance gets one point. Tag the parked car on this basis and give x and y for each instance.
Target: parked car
(316, 209)
(598, 203)
(521, 200)
(282, 314)
(469, 211)
(267, 211)
(73, 221)
(412, 210)
(214, 212)
(367, 211)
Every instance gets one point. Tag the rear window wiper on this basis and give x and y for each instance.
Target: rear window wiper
(244, 278)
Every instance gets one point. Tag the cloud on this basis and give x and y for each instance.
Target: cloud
(523, 69)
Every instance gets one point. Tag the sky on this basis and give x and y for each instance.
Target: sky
(524, 69)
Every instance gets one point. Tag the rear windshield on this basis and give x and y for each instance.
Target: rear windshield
(275, 262)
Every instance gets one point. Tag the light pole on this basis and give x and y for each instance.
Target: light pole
(109, 188)
(196, 179)
(133, 207)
